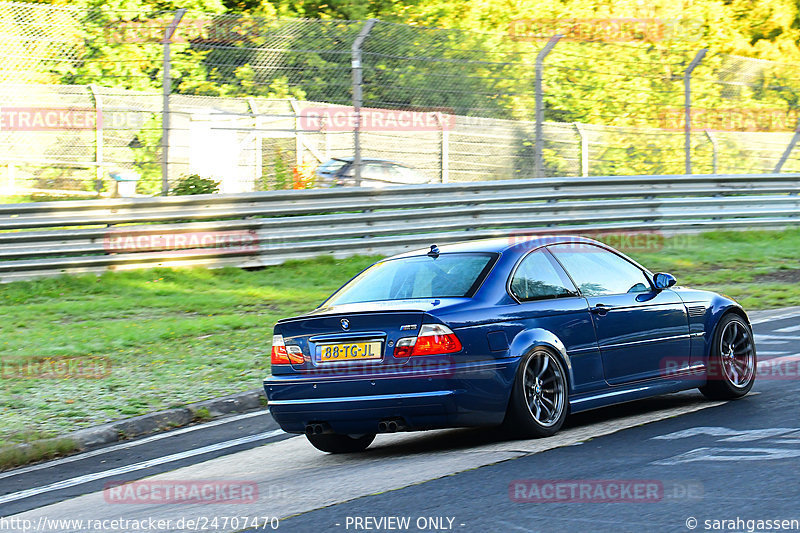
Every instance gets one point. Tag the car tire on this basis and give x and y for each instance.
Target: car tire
(731, 368)
(539, 398)
(336, 443)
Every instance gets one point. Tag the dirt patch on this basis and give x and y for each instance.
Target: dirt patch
(779, 276)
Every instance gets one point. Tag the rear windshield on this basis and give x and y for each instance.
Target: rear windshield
(447, 276)
(331, 166)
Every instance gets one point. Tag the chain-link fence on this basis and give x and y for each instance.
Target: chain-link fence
(258, 103)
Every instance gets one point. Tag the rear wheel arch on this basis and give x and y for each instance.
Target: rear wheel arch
(546, 340)
(528, 340)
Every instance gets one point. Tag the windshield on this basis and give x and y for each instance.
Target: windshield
(331, 167)
(447, 276)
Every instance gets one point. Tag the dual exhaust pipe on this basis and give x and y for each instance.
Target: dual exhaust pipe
(318, 428)
(392, 425)
(389, 425)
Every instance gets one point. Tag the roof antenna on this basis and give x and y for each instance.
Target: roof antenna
(434, 251)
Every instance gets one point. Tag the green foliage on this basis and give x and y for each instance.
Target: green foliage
(194, 184)
(146, 155)
(37, 450)
(283, 178)
(241, 48)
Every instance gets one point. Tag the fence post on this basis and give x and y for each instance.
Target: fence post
(789, 148)
(98, 138)
(584, 150)
(357, 96)
(258, 162)
(445, 148)
(687, 108)
(538, 169)
(12, 180)
(714, 149)
(298, 136)
(166, 89)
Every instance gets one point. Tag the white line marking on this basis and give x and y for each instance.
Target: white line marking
(779, 360)
(763, 336)
(791, 314)
(87, 478)
(788, 329)
(130, 444)
(767, 352)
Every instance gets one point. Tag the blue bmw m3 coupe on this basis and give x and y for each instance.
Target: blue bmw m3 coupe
(518, 332)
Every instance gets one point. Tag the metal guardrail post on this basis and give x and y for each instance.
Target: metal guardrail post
(538, 171)
(357, 95)
(792, 143)
(687, 107)
(166, 89)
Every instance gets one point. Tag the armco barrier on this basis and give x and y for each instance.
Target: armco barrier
(255, 229)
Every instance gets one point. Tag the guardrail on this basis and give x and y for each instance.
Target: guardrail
(257, 229)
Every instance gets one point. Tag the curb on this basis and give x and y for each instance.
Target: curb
(155, 422)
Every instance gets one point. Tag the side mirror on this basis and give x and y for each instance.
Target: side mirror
(662, 280)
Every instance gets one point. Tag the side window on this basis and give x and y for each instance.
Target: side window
(598, 272)
(538, 278)
(373, 171)
(393, 174)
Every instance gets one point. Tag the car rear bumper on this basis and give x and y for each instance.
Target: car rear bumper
(461, 395)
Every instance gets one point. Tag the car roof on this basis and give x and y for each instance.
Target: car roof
(367, 160)
(511, 243)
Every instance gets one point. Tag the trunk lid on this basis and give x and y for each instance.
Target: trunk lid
(357, 338)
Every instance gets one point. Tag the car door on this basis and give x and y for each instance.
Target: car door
(548, 300)
(638, 327)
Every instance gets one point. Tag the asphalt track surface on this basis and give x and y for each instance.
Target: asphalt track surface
(672, 463)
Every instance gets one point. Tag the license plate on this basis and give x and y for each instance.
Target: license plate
(349, 351)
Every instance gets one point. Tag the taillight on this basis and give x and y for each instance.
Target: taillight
(285, 355)
(433, 339)
(279, 354)
(404, 347)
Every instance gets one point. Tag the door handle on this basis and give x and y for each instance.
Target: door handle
(600, 309)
